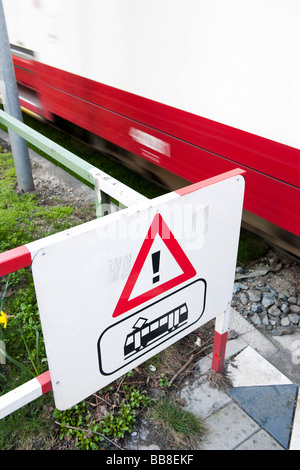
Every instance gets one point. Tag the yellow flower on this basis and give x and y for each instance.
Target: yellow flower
(3, 319)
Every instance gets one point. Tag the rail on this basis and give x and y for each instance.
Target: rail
(105, 186)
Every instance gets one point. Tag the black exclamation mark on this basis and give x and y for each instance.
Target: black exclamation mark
(155, 265)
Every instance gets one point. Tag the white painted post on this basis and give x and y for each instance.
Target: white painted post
(221, 331)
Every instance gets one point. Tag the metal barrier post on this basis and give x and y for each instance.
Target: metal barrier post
(11, 105)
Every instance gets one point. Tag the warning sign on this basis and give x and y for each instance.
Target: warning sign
(117, 290)
(159, 275)
(152, 273)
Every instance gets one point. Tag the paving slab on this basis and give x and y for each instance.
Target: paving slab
(228, 428)
(249, 368)
(203, 400)
(272, 407)
(261, 440)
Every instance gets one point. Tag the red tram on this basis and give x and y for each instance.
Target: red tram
(188, 90)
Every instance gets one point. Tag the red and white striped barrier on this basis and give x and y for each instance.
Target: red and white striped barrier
(11, 261)
(15, 259)
(24, 394)
(23, 256)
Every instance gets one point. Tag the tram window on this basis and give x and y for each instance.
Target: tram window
(154, 326)
(129, 340)
(163, 321)
(145, 331)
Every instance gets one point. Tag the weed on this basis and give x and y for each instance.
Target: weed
(88, 432)
(250, 247)
(27, 428)
(34, 356)
(163, 381)
(179, 426)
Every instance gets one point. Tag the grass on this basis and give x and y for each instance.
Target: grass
(179, 426)
(23, 219)
(251, 247)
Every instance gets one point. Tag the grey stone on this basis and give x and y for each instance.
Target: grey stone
(283, 330)
(256, 308)
(234, 300)
(295, 309)
(263, 288)
(239, 286)
(265, 320)
(285, 321)
(244, 298)
(293, 318)
(274, 311)
(273, 291)
(256, 320)
(282, 297)
(268, 300)
(254, 295)
(284, 308)
(239, 270)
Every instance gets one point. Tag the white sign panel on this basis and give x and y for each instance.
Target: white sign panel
(115, 291)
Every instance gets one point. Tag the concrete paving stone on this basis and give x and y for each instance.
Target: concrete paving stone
(228, 428)
(291, 344)
(203, 400)
(234, 346)
(250, 369)
(251, 335)
(204, 365)
(261, 440)
(272, 407)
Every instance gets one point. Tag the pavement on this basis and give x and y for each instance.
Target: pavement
(261, 410)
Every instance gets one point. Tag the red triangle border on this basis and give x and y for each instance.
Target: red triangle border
(158, 227)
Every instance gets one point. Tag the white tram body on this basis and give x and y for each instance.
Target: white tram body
(195, 88)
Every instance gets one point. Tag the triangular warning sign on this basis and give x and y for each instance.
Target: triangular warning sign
(158, 227)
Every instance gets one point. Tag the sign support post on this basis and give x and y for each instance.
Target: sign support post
(220, 339)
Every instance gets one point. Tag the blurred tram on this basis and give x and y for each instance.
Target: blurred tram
(182, 90)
